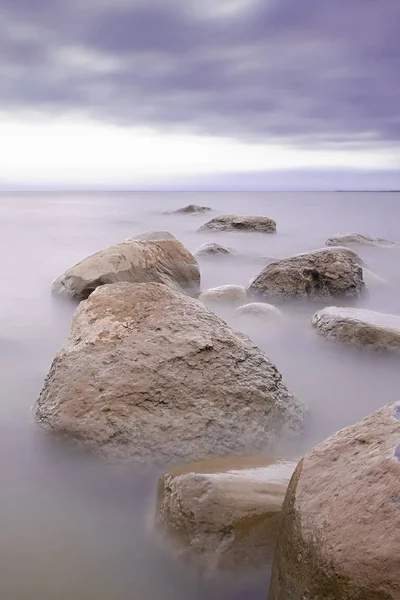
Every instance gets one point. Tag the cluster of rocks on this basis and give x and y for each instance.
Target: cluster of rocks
(151, 374)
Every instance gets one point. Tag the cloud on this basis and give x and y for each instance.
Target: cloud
(302, 72)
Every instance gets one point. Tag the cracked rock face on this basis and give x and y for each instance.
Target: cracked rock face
(135, 261)
(150, 375)
(330, 273)
(339, 537)
(223, 514)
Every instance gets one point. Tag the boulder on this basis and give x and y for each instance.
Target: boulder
(190, 209)
(213, 249)
(152, 376)
(231, 295)
(358, 327)
(339, 537)
(133, 261)
(257, 312)
(240, 223)
(313, 275)
(345, 239)
(223, 514)
(153, 235)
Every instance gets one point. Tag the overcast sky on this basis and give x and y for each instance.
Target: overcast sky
(220, 93)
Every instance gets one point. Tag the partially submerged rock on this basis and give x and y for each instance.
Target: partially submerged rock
(358, 327)
(372, 280)
(232, 295)
(257, 312)
(213, 249)
(331, 273)
(339, 537)
(190, 209)
(240, 223)
(150, 375)
(133, 261)
(224, 514)
(345, 239)
(153, 235)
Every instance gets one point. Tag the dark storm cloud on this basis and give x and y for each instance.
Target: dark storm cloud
(323, 71)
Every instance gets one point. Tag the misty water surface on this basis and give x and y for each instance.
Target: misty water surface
(75, 527)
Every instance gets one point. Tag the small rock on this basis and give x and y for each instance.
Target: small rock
(240, 223)
(339, 536)
(257, 312)
(213, 249)
(346, 239)
(328, 273)
(358, 327)
(190, 209)
(232, 295)
(224, 514)
(132, 261)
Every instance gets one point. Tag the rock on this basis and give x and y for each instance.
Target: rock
(213, 249)
(343, 249)
(240, 223)
(312, 275)
(345, 239)
(190, 209)
(151, 375)
(133, 261)
(257, 312)
(223, 515)
(156, 236)
(358, 327)
(339, 537)
(232, 295)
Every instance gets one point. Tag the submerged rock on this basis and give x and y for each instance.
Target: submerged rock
(150, 375)
(133, 261)
(240, 223)
(190, 209)
(224, 514)
(344, 239)
(257, 312)
(213, 249)
(232, 295)
(339, 537)
(329, 273)
(358, 327)
(153, 235)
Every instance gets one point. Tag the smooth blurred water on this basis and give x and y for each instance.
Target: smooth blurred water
(75, 527)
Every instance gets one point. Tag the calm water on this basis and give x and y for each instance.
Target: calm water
(72, 527)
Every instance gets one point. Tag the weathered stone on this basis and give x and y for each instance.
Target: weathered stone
(133, 261)
(213, 249)
(232, 295)
(190, 209)
(257, 312)
(153, 235)
(345, 239)
(151, 375)
(240, 223)
(339, 537)
(329, 273)
(224, 514)
(358, 327)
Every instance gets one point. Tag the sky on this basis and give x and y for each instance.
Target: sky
(204, 94)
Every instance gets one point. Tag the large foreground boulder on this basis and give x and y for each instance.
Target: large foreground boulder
(340, 530)
(313, 275)
(359, 327)
(151, 375)
(224, 514)
(240, 223)
(133, 261)
(360, 239)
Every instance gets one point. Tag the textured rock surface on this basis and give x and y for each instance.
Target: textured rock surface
(257, 312)
(344, 239)
(190, 209)
(150, 375)
(133, 261)
(233, 295)
(313, 275)
(213, 249)
(340, 530)
(240, 223)
(224, 514)
(358, 327)
(153, 235)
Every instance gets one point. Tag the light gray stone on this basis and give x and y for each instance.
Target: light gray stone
(240, 223)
